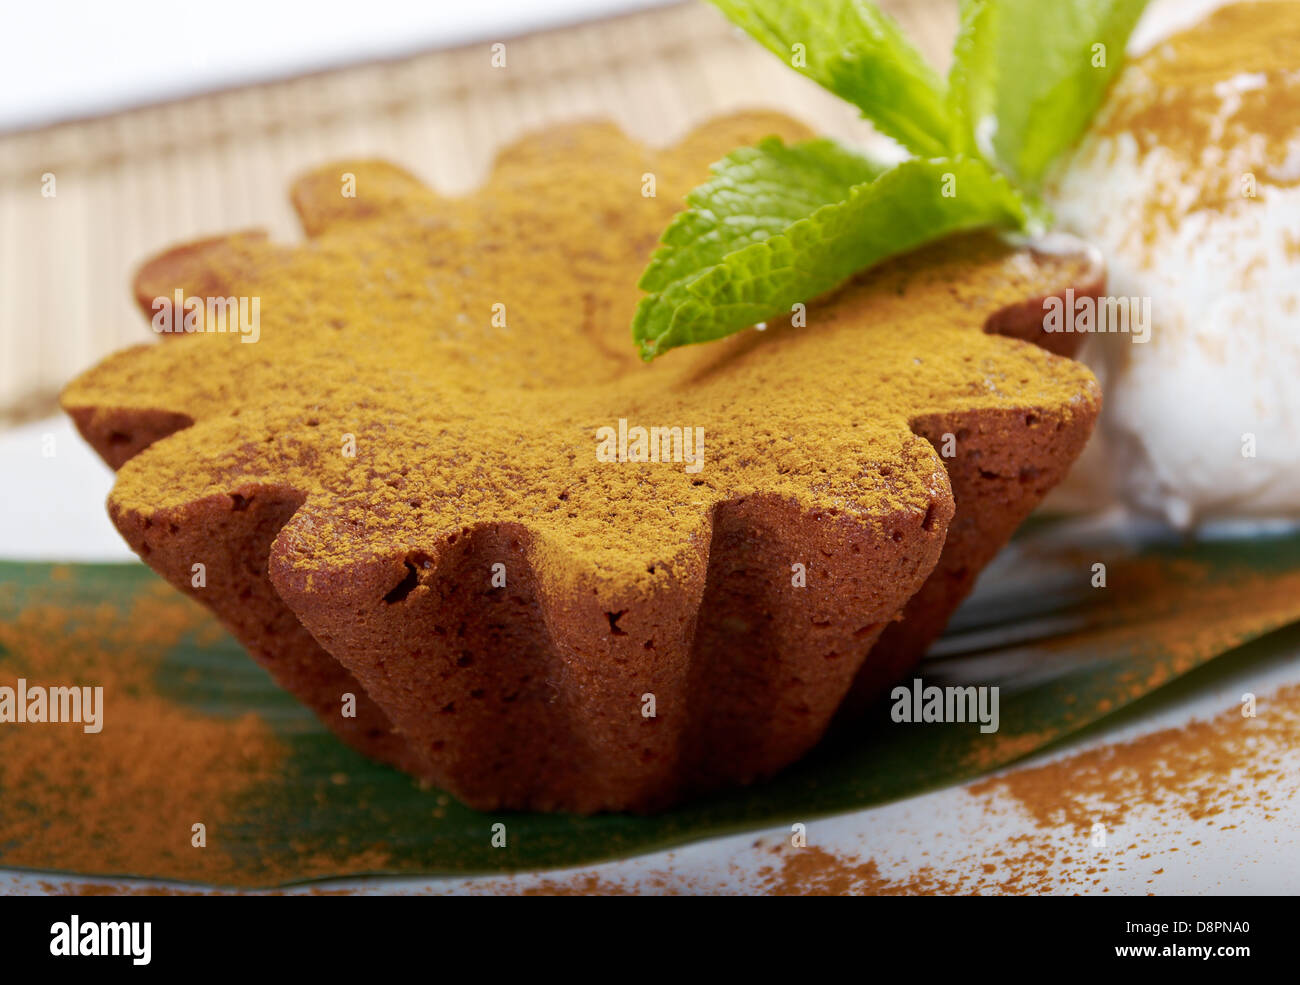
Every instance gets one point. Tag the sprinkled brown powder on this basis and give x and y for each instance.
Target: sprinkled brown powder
(122, 800)
(119, 818)
(1184, 609)
(815, 872)
(1198, 771)
(587, 884)
(1189, 614)
(1217, 102)
(1194, 773)
(460, 421)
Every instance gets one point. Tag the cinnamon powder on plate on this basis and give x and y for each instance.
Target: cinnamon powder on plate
(123, 800)
(1206, 771)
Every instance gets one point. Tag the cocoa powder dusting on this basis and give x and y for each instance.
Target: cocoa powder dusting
(1185, 610)
(1218, 103)
(122, 800)
(1194, 773)
(1201, 770)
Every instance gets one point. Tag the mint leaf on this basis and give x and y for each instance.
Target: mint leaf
(1028, 76)
(760, 266)
(755, 192)
(861, 55)
(972, 92)
(777, 225)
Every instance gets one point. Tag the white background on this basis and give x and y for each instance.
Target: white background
(63, 59)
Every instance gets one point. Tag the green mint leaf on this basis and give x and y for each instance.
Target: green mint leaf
(755, 192)
(824, 237)
(859, 53)
(1028, 75)
(972, 79)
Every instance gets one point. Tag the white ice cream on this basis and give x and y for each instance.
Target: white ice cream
(1202, 422)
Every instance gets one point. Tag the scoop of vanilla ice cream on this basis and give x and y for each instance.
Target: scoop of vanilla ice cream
(1189, 182)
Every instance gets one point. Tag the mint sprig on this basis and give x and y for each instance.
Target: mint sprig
(755, 192)
(1030, 74)
(752, 267)
(777, 224)
(831, 41)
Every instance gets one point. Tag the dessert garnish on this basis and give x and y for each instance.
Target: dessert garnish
(780, 224)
